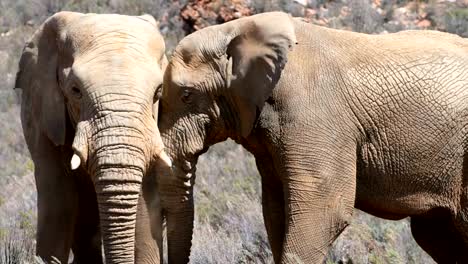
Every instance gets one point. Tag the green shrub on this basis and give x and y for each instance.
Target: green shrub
(457, 21)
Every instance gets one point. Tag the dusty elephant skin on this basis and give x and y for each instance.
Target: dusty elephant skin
(335, 120)
(88, 86)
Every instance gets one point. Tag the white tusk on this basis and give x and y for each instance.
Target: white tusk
(165, 158)
(75, 162)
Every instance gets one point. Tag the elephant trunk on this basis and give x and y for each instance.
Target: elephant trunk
(117, 145)
(176, 192)
(117, 192)
(117, 150)
(118, 166)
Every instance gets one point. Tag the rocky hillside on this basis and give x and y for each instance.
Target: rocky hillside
(376, 16)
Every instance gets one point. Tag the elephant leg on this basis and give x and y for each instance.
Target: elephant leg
(462, 242)
(57, 203)
(320, 185)
(273, 207)
(461, 226)
(87, 246)
(148, 232)
(437, 236)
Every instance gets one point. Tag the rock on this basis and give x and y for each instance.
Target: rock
(423, 23)
(197, 14)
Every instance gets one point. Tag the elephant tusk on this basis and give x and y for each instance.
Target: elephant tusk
(165, 158)
(75, 162)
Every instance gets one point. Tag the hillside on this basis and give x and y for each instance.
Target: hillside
(229, 225)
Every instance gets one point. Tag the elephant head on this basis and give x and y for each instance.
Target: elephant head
(89, 81)
(214, 87)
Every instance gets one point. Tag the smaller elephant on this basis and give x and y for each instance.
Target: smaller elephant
(89, 120)
(335, 120)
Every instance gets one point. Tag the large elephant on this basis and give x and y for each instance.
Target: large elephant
(88, 85)
(335, 120)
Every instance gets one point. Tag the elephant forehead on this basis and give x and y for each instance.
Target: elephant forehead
(116, 68)
(185, 75)
(119, 32)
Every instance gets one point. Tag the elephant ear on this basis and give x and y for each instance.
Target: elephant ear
(163, 63)
(150, 19)
(259, 52)
(37, 76)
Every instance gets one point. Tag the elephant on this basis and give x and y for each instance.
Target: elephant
(89, 118)
(336, 120)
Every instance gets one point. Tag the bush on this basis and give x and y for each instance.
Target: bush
(17, 243)
(456, 21)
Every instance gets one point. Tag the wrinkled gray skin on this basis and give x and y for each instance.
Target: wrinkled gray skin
(88, 86)
(335, 120)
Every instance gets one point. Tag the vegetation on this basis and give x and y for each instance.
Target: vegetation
(229, 226)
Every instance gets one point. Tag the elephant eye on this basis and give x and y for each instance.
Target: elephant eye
(186, 96)
(76, 92)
